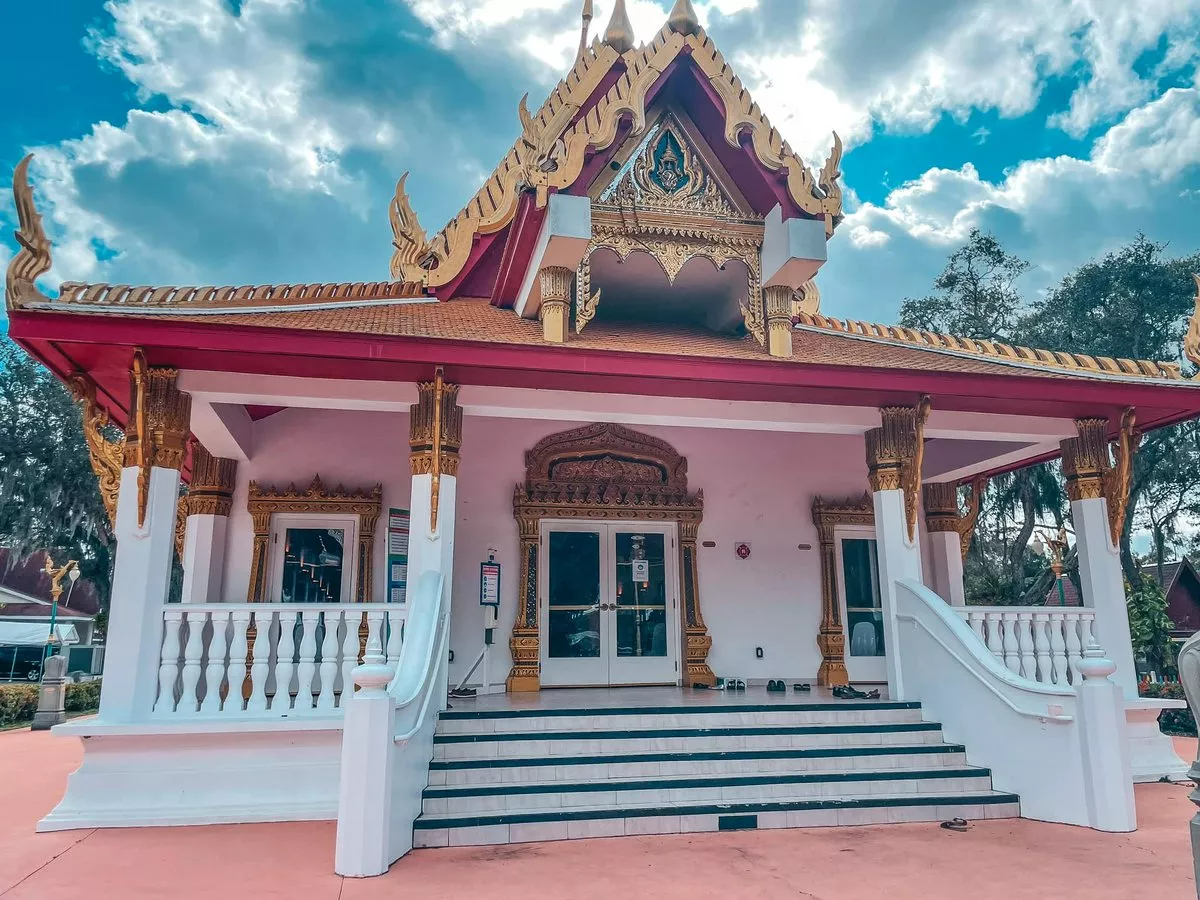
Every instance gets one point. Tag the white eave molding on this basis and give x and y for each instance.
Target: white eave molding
(563, 240)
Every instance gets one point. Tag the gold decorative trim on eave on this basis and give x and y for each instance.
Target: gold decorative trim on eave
(1047, 359)
(553, 149)
(230, 298)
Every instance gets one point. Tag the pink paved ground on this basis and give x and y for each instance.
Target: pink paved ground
(1006, 860)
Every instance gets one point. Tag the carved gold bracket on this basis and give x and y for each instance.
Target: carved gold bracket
(157, 430)
(1091, 474)
(265, 502)
(1191, 338)
(831, 639)
(435, 435)
(181, 517)
(895, 453)
(106, 455)
(941, 510)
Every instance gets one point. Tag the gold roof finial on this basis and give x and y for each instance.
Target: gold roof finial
(587, 24)
(619, 34)
(1191, 339)
(683, 18)
(32, 261)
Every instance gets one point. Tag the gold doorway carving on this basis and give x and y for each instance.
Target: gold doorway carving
(605, 471)
(831, 639)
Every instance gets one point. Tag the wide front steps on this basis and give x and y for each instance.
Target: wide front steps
(508, 776)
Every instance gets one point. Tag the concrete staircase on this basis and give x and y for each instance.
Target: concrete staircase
(503, 776)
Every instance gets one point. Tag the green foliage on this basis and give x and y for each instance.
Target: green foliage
(1180, 722)
(18, 703)
(82, 697)
(49, 499)
(1149, 626)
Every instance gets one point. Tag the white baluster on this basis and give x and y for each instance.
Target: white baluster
(1085, 641)
(1041, 646)
(350, 620)
(260, 665)
(192, 652)
(168, 665)
(993, 627)
(284, 664)
(395, 624)
(975, 620)
(329, 664)
(1058, 646)
(375, 620)
(237, 693)
(1025, 636)
(214, 674)
(307, 670)
(1012, 646)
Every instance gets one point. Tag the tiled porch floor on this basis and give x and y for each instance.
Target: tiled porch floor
(997, 860)
(610, 698)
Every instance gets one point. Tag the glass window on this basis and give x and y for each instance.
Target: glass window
(313, 565)
(864, 605)
(641, 578)
(574, 595)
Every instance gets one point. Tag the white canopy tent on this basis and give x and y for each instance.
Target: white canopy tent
(33, 634)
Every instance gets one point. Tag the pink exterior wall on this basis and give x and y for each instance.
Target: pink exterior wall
(357, 449)
(758, 488)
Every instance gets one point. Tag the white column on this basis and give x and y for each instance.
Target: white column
(204, 558)
(428, 549)
(1103, 586)
(899, 558)
(946, 567)
(141, 579)
(1104, 749)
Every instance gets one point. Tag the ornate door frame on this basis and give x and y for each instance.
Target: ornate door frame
(831, 639)
(607, 472)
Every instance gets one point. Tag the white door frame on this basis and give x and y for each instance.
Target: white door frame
(871, 669)
(610, 669)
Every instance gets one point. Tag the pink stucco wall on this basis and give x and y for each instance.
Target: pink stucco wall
(758, 488)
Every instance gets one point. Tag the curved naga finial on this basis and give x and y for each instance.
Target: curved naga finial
(1191, 339)
(411, 261)
(829, 181)
(33, 259)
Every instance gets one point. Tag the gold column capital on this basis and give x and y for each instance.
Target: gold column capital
(432, 412)
(895, 452)
(213, 480)
(1085, 459)
(156, 433)
(941, 506)
(555, 312)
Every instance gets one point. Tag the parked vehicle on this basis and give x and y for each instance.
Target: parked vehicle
(20, 663)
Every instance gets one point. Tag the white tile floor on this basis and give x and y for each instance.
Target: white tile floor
(608, 698)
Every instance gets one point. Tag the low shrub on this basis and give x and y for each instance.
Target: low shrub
(83, 697)
(1179, 722)
(18, 703)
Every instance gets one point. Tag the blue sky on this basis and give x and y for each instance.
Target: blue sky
(245, 141)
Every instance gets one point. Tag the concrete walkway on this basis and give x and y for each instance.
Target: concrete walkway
(1005, 860)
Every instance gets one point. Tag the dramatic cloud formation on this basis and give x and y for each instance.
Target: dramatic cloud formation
(265, 136)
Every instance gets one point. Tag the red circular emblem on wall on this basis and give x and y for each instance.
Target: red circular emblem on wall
(743, 551)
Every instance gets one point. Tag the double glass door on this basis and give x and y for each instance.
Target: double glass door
(608, 607)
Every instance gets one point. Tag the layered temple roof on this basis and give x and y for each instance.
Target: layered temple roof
(600, 119)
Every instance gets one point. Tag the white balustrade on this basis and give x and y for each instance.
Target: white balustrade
(267, 659)
(1041, 643)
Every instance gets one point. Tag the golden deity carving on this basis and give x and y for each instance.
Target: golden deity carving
(1092, 474)
(106, 453)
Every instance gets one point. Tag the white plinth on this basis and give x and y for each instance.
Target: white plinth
(1152, 755)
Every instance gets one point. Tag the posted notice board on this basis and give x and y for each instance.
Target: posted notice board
(397, 555)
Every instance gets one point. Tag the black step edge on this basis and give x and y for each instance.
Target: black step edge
(689, 709)
(711, 809)
(659, 783)
(638, 733)
(698, 756)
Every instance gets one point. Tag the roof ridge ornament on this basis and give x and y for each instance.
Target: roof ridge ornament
(587, 24)
(33, 259)
(683, 18)
(619, 34)
(1191, 338)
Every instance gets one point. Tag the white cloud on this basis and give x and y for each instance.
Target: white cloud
(1056, 212)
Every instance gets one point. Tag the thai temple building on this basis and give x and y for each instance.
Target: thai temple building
(601, 452)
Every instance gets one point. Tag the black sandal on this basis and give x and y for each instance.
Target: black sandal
(802, 687)
(775, 687)
(956, 824)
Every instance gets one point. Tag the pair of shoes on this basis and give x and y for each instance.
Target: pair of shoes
(846, 692)
(956, 824)
(776, 687)
(735, 684)
(803, 688)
